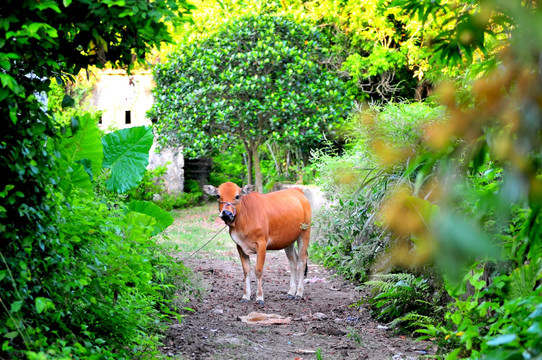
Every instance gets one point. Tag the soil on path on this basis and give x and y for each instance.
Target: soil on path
(323, 325)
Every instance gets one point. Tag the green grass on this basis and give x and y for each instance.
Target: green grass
(193, 227)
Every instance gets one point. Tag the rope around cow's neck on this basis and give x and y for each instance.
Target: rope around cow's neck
(195, 252)
(225, 226)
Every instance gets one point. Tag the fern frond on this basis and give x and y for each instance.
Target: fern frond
(409, 278)
(380, 286)
(412, 319)
(386, 282)
(523, 279)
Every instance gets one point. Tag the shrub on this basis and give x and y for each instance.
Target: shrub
(229, 166)
(117, 288)
(152, 183)
(350, 232)
(492, 320)
(110, 293)
(192, 186)
(178, 201)
(102, 287)
(51, 262)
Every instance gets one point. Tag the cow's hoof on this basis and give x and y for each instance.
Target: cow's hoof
(244, 301)
(297, 297)
(291, 297)
(260, 302)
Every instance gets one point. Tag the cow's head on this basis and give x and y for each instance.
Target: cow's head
(228, 196)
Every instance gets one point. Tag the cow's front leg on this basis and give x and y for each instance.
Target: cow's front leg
(245, 262)
(258, 271)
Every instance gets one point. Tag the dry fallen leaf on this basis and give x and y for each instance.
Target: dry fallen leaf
(265, 319)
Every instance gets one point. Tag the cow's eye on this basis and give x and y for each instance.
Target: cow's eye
(237, 197)
(218, 197)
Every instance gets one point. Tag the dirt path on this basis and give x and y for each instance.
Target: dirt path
(321, 326)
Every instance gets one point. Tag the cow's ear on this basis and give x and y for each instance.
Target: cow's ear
(210, 189)
(247, 189)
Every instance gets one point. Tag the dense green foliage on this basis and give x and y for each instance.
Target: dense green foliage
(228, 166)
(351, 235)
(257, 78)
(376, 49)
(446, 198)
(152, 188)
(110, 283)
(66, 254)
(464, 205)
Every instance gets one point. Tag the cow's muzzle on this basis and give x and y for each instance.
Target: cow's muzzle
(228, 212)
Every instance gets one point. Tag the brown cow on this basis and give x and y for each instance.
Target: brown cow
(260, 222)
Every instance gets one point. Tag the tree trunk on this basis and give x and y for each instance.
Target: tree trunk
(250, 180)
(287, 171)
(257, 169)
(277, 164)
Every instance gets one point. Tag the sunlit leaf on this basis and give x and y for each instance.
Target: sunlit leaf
(41, 304)
(16, 306)
(140, 225)
(126, 153)
(11, 335)
(163, 218)
(85, 143)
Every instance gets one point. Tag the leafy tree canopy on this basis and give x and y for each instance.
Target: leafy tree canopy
(377, 48)
(257, 78)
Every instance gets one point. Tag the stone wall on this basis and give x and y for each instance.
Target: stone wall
(174, 161)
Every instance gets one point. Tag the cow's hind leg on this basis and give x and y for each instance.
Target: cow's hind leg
(291, 254)
(245, 262)
(302, 244)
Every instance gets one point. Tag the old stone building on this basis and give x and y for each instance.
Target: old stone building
(124, 100)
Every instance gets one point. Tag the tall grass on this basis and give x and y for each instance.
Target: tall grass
(380, 139)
